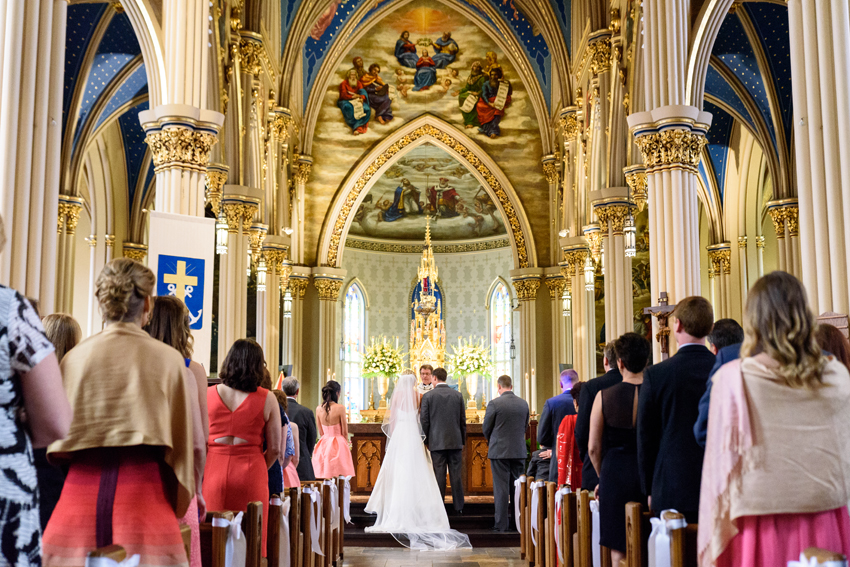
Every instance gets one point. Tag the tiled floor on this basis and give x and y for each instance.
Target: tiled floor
(393, 557)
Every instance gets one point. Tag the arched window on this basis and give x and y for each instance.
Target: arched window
(500, 331)
(354, 343)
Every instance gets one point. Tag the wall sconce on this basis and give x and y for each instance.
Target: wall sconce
(566, 303)
(221, 234)
(287, 304)
(629, 232)
(261, 274)
(589, 274)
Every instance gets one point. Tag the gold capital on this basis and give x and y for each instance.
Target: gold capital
(298, 286)
(556, 285)
(676, 148)
(180, 147)
(526, 288)
(216, 178)
(637, 182)
(135, 251)
(328, 288)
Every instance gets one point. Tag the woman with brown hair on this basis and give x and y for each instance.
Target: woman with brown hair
(169, 323)
(332, 455)
(243, 416)
(834, 342)
(134, 436)
(777, 458)
(64, 332)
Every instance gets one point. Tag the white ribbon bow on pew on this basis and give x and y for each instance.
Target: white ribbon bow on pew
(535, 504)
(559, 501)
(132, 561)
(803, 562)
(596, 551)
(346, 499)
(517, 493)
(236, 549)
(315, 517)
(283, 552)
(334, 490)
(659, 539)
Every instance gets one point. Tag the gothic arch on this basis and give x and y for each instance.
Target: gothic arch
(361, 287)
(427, 128)
(704, 34)
(497, 281)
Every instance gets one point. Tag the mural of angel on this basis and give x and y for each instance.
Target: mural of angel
(405, 51)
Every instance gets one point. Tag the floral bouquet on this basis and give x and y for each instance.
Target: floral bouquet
(382, 359)
(470, 358)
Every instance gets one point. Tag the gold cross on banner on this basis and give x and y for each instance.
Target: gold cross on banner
(180, 280)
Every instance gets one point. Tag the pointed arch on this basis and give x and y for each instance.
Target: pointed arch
(492, 288)
(356, 281)
(426, 129)
(704, 34)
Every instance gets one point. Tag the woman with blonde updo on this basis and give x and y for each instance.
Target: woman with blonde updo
(30, 381)
(776, 474)
(135, 432)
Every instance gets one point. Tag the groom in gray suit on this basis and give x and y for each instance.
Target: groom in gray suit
(504, 428)
(444, 424)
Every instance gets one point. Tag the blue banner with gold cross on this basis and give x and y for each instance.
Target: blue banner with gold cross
(184, 279)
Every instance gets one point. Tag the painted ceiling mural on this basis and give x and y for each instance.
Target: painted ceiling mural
(427, 182)
(422, 58)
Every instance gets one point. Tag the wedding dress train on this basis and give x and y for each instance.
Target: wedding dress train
(406, 497)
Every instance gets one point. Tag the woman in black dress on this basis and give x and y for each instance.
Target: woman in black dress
(613, 444)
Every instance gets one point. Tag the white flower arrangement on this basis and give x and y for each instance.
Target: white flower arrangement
(470, 358)
(382, 359)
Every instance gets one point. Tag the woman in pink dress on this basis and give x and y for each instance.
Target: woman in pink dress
(332, 455)
(776, 474)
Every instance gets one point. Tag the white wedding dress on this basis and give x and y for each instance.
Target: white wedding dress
(406, 497)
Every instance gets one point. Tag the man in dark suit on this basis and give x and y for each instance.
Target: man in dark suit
(505, 424)
(443, 419)
(554, 410)
(306, 422)
(612, 376)
(725, 342)
(669, 458)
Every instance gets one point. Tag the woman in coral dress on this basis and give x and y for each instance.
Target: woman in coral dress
(242, 417)
(332, 455)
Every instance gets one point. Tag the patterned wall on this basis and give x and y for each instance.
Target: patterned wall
(388, 280)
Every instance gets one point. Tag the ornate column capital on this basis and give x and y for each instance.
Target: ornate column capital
(109, 240)
(574, 258)
(720, 256)
(568, 124)
(251, 52)
(550, 169)
(69, 213)
(670, 142)
(257, 234)
(216, 178)
(612, 213)
(742, 242)
(328, 288)
(281, 121)
(526, 287)
(785, 214)
(777, 215)
(301, 169)
(760, 242)
(298, 286)
(135, 251)
(593, 236)
(556, 285)
(180, 142)
(636, 180)
(240, 203)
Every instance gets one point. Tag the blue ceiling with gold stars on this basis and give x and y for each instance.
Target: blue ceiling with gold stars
(116, 50)
(719, 136)
(533, 44)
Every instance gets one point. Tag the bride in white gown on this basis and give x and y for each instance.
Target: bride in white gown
(406, 497)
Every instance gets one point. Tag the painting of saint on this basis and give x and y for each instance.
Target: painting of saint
(485, 205)
(351, 89)
(445, 50)
(444, 199)
(379, 93)
(472, 87)
(405, 51)
(405, 202)
(488, 115)
(426, 73)
(358, 66)
(491, 61)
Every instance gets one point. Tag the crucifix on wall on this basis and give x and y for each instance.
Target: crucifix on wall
(662, 312)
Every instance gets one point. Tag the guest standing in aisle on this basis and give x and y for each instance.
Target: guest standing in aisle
(305, 420)
(554, 410)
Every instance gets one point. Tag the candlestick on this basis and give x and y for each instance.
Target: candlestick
(333, 376)
(526, 393)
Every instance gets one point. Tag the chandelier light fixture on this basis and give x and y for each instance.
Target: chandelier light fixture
(262, 270)
(566, 303)
(221, 234)
(287, 304)
(629, 233)
(589, 274)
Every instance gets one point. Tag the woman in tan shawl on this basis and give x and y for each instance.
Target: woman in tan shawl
(130, 448)
(777, 459)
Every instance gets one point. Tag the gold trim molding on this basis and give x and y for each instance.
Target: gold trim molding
(465, 153)
(398, 248)
(135, 251)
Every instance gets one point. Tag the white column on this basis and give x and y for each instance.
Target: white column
(612, 206)
(556, 284)
(743, 269)
(275, 251)
(328, 282)
(301, 173)
(720, 258)
(526, 283)
(92, 307)
(298, 283)
(68, 216)
(583, 317)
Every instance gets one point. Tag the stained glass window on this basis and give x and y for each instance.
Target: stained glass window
(500, 332)
(354, 346)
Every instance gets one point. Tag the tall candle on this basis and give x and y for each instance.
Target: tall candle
(328, 379)
(533, 392)
(525, 394)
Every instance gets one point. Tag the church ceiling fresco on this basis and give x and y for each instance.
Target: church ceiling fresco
(409, 82)
(427, 182)
(326, 30)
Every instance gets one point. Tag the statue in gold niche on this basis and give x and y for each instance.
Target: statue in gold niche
(427, 332)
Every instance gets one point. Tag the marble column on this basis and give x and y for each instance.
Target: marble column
(820, 68)
(328, 282)
(743, 268)
(612, 207)
(556, 283)
(301, 173)
(68, 216)
(275, 252)
(281, 123)
(239, 204)
(720, 257)
(784, 214)
(32, 63)
(298, 282)
(91, 327)
(760, 254)
(569, 129)
(552, 173)
(526, 282)
(583, 316)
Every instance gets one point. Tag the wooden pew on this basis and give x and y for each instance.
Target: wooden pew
(520, 522)
(540, 548)
(550, 525)
(683, 542)
(296, 537)
(823, 555)
(273, 537)
(526, 524)
(637, 534)
(567, 529)
(340, 536)
(327, 526)
(584, 529)
(252, 526)
(214, 540)
(186, 534)
(114, 552)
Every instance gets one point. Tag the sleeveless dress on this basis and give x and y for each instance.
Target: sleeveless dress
(619, 482)
(191, 519)
(332, 457)
(236, 474)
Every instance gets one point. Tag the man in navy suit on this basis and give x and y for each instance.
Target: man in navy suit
(724, 341)
(669, 458)
(554, 410)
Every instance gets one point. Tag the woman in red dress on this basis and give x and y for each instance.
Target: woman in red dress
(242, 417)
(569, 461)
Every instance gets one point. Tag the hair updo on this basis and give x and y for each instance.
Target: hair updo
(122, 287)
(330, 393)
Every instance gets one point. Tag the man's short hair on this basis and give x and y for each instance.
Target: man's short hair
(726, 332)
(505, 382)
(568, 378)
(290, 386)
(440, 374)
(696, 315)
(611, 354)
(426, 367)
(633, 350)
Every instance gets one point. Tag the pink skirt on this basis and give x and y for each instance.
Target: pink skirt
(290, 476)
(191, 519)
(332, 457)
(768, 541)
